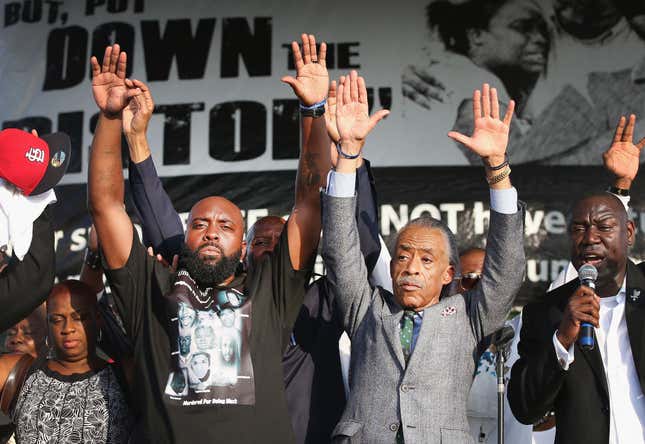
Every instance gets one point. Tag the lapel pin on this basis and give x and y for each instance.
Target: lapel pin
(635, 295)
(448, 311)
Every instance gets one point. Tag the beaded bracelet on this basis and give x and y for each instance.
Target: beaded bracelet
(498, 178)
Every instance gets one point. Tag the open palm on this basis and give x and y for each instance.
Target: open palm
(623, 157)
(490, 136)
(352, 114)
(312, 78)
(353, 121)
(108, 81)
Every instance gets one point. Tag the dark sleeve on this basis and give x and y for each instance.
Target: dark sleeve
(289, 285)
(536, 377)
(160, 223)
(129, 285)
(367, 215)
(114, 341)
(24, 285)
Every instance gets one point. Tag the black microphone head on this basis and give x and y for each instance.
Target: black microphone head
(503, 336)
(588, 273)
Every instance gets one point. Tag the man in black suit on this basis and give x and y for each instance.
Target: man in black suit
(597, 395)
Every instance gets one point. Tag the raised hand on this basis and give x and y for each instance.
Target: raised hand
(137, 114)
(312, 79)
(330, 111)
(490, 137)
(622, 158)
(108, 81)
(353, 121)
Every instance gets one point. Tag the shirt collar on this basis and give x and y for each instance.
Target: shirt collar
(620, 297)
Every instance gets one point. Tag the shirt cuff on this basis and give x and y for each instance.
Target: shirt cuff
(565, 357)
(504, 201)
(341, 184)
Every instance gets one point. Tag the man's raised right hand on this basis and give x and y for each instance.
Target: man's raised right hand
(623, 156)
(108, 81)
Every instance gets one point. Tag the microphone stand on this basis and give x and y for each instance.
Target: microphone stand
(502, 339)
(501, 388)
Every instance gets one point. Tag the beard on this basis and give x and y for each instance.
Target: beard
(206, 275)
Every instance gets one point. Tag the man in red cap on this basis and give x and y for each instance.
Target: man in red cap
(33, 164)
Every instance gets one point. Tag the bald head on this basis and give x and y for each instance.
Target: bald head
(215, 229)
(214, 241)
(216, 204)
(262, 237)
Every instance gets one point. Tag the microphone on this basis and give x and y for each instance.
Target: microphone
(502, 338)
(588, 275)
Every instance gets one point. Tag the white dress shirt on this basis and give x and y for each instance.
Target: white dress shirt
(626, 400)
(503, 201)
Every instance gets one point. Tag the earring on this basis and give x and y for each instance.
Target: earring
(100, 335)
(47, 341)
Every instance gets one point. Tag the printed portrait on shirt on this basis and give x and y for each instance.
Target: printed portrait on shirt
(212, 362)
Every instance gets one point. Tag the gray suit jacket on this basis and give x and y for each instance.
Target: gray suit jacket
(428, 398)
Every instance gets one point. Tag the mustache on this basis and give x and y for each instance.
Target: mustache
(409, 280)
(209, 244)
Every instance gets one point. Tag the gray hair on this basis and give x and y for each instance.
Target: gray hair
(430, 222)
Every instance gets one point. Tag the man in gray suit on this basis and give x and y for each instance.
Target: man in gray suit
(413, 354)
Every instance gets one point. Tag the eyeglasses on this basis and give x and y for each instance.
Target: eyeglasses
(469, 280)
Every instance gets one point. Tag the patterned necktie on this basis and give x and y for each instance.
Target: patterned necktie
(407, 327)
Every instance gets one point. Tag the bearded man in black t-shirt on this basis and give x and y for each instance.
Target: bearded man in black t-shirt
(208, 339)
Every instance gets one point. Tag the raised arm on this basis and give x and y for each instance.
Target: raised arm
(310, 86)
(346, 271)
(160, 223)
(367, 215)
(622, 159)
(25, 284)
(366, 205)
(491, 300)
(105, 181)
(91, 269)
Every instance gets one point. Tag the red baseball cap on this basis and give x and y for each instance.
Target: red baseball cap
(33, 164)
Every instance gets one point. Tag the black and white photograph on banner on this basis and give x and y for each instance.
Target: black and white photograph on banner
(569, 65)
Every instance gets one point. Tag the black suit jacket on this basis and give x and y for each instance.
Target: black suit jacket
(579, 395)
